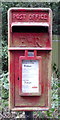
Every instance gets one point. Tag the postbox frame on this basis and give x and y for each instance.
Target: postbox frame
(11, 49)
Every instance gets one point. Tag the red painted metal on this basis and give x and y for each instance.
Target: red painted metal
(29, 30)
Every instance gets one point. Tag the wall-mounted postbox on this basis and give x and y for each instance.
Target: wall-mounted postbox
(30, 47)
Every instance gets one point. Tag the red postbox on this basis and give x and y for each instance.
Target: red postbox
(30, 48)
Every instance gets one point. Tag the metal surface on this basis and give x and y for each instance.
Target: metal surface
(29, 38)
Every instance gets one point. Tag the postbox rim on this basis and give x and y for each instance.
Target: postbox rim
(30, 108)
(29, 24)
(23, 8)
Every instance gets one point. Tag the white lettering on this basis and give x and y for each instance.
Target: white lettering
(38, 16)
(19, 16)
(33, 17)
(45, 16)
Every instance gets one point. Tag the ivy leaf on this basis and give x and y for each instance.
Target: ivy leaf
(6, 86)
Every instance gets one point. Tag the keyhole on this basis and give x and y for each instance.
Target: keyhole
(18, 78)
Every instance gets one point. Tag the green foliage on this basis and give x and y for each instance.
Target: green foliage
(5, 89)
(55, 84)
(5, 81)
(4, 56)
(56, 71)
